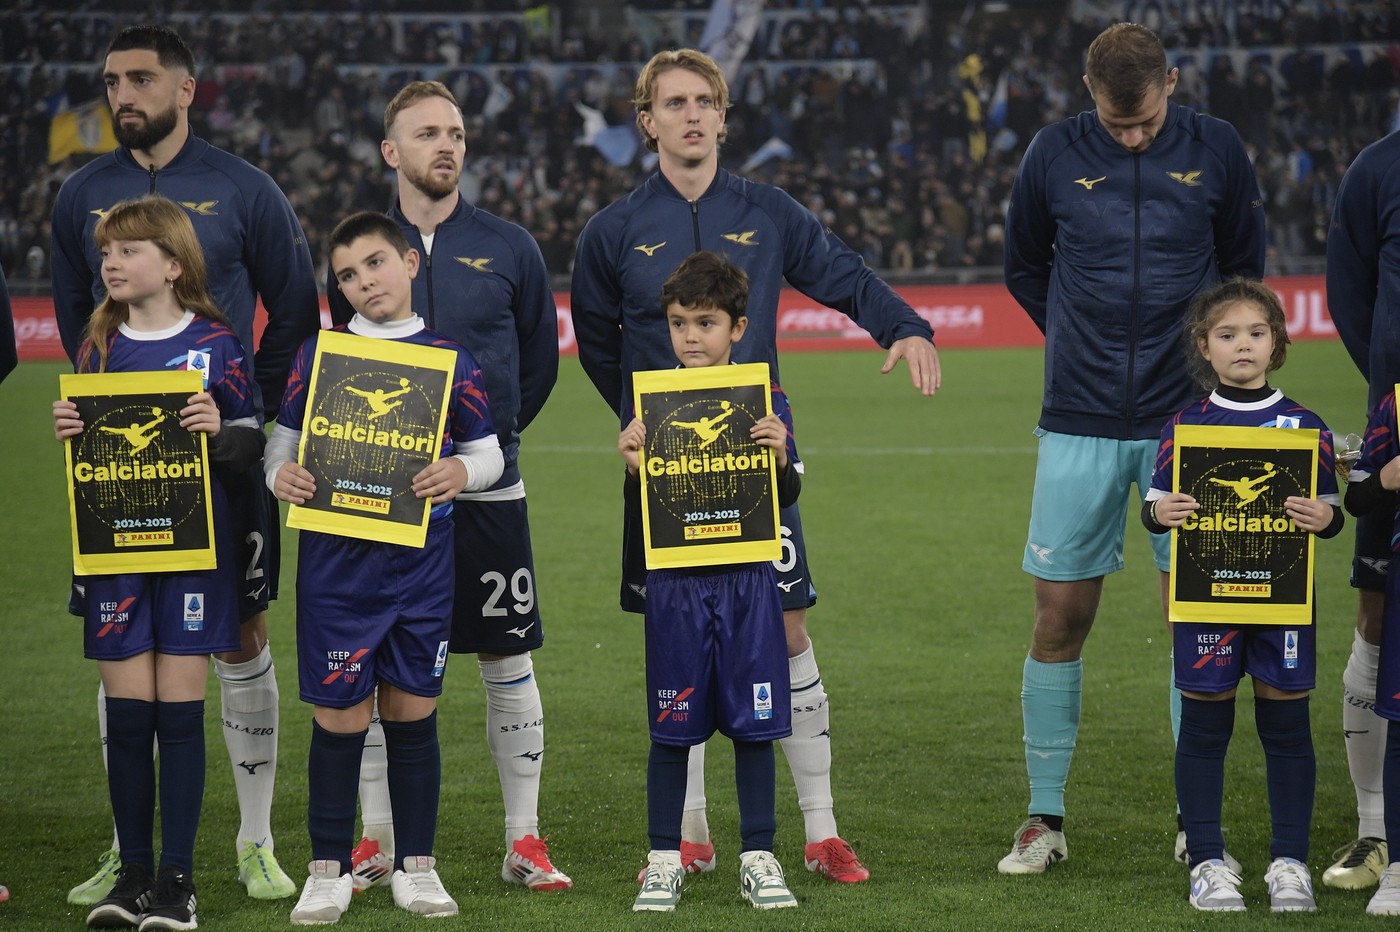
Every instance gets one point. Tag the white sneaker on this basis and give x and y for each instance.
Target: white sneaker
(1358, 864)
(1180, 855)
(1215, 888)
(761, 881)
(324, 897)
(1386, 900)
(661, 883)
(1035, 847)
(1290, 886)
(418, 889)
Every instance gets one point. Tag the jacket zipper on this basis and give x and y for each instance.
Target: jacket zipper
(695, 221)
(152, 170)
(1137, 281)
(428, 267)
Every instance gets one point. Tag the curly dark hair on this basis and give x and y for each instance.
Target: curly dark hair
(1206, 311)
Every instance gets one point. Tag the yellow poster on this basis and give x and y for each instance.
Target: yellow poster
(1240, 559)
(138, 482)
(709, 491)
(375, 415)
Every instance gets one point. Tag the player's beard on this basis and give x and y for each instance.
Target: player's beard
(434, 187)
(151, 132)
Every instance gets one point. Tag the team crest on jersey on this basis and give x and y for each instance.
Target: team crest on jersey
(762, 701)
(344, 665)
(198, 361)
(479, 265)
(1286, 422)
(440, 664)
(674, 705)
(1215, 648)
(1186, 178)
(194, 611)
(743, 239)
(203, 208)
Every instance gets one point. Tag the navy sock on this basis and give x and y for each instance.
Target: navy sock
(131, 777)
(415, 781)
(666, 769)
(1286, 733)
(1390, 783)
(756, 779)
(180, 728)
(1206, 728)
(333, 772)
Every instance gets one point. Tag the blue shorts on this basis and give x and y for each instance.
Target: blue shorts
(1079, 509)
(716, 656)
(1388, 674)
(256, 525)
(497, 608)
(370, 612)
(1371, 562)
(1212, 658)
(793, 574)
(170, 613)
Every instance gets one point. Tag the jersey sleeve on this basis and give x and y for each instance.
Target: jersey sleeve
(293, 410)
(1380, 446)
(1161, 485)
(69, 272)
(1239, 225)
(783, 409)
(1030, 233)
(1327, 490)
(468, 412)
(229, 383)
(596, 304)
(1353, 260)
(536, 330)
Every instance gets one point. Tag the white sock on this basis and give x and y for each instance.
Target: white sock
(102, 728)
(1365, 736)
(515, 732)
(695, 828)
(249, 693)
(808, 750)
(376, 810)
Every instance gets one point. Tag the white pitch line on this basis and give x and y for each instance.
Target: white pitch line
(833, 451)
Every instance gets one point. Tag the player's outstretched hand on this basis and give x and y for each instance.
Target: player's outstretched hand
(771, 432)
(630, 444)
(1390, 475)
(442, 480)
(202, 414)
(1308, 513)
(294, 484)
(922, 357)
(66, 422)
(1173, 509)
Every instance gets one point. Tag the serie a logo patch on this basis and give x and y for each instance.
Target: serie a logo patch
(194, 611)
(762, 701)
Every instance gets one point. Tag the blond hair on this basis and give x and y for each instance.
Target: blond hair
(160, 221)
(411, 94)
(690, 60)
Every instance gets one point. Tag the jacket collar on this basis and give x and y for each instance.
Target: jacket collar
(660, 184)
(462, 211)
(1173, 116)
(190, 152)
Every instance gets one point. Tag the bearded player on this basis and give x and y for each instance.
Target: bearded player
(625, 253)
(253, 248)
(484, 285)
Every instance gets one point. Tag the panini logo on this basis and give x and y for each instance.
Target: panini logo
(712, 531)
(379, 506)
(1241, 590)
(694, 465)
(322, 427)
(142, 538)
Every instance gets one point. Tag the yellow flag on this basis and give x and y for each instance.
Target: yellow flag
(83, 129)
(537, 21)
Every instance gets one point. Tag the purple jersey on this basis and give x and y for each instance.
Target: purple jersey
(1277, 410)
(468, 411)
(1380, 448)
(194, 343)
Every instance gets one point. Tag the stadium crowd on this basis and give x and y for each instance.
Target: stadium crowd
(898, 142)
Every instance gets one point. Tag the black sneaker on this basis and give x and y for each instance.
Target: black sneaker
(171, 903)
(124, 906)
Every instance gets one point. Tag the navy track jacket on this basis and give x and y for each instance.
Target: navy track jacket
(628, 249)
(1105, 250)
(1363, 265)
(485, 286)
(253, 245)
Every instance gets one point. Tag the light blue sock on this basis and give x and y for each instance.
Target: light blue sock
(1050, 699)
(1174, 702)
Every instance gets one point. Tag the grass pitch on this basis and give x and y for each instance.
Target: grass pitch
(915, 513)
